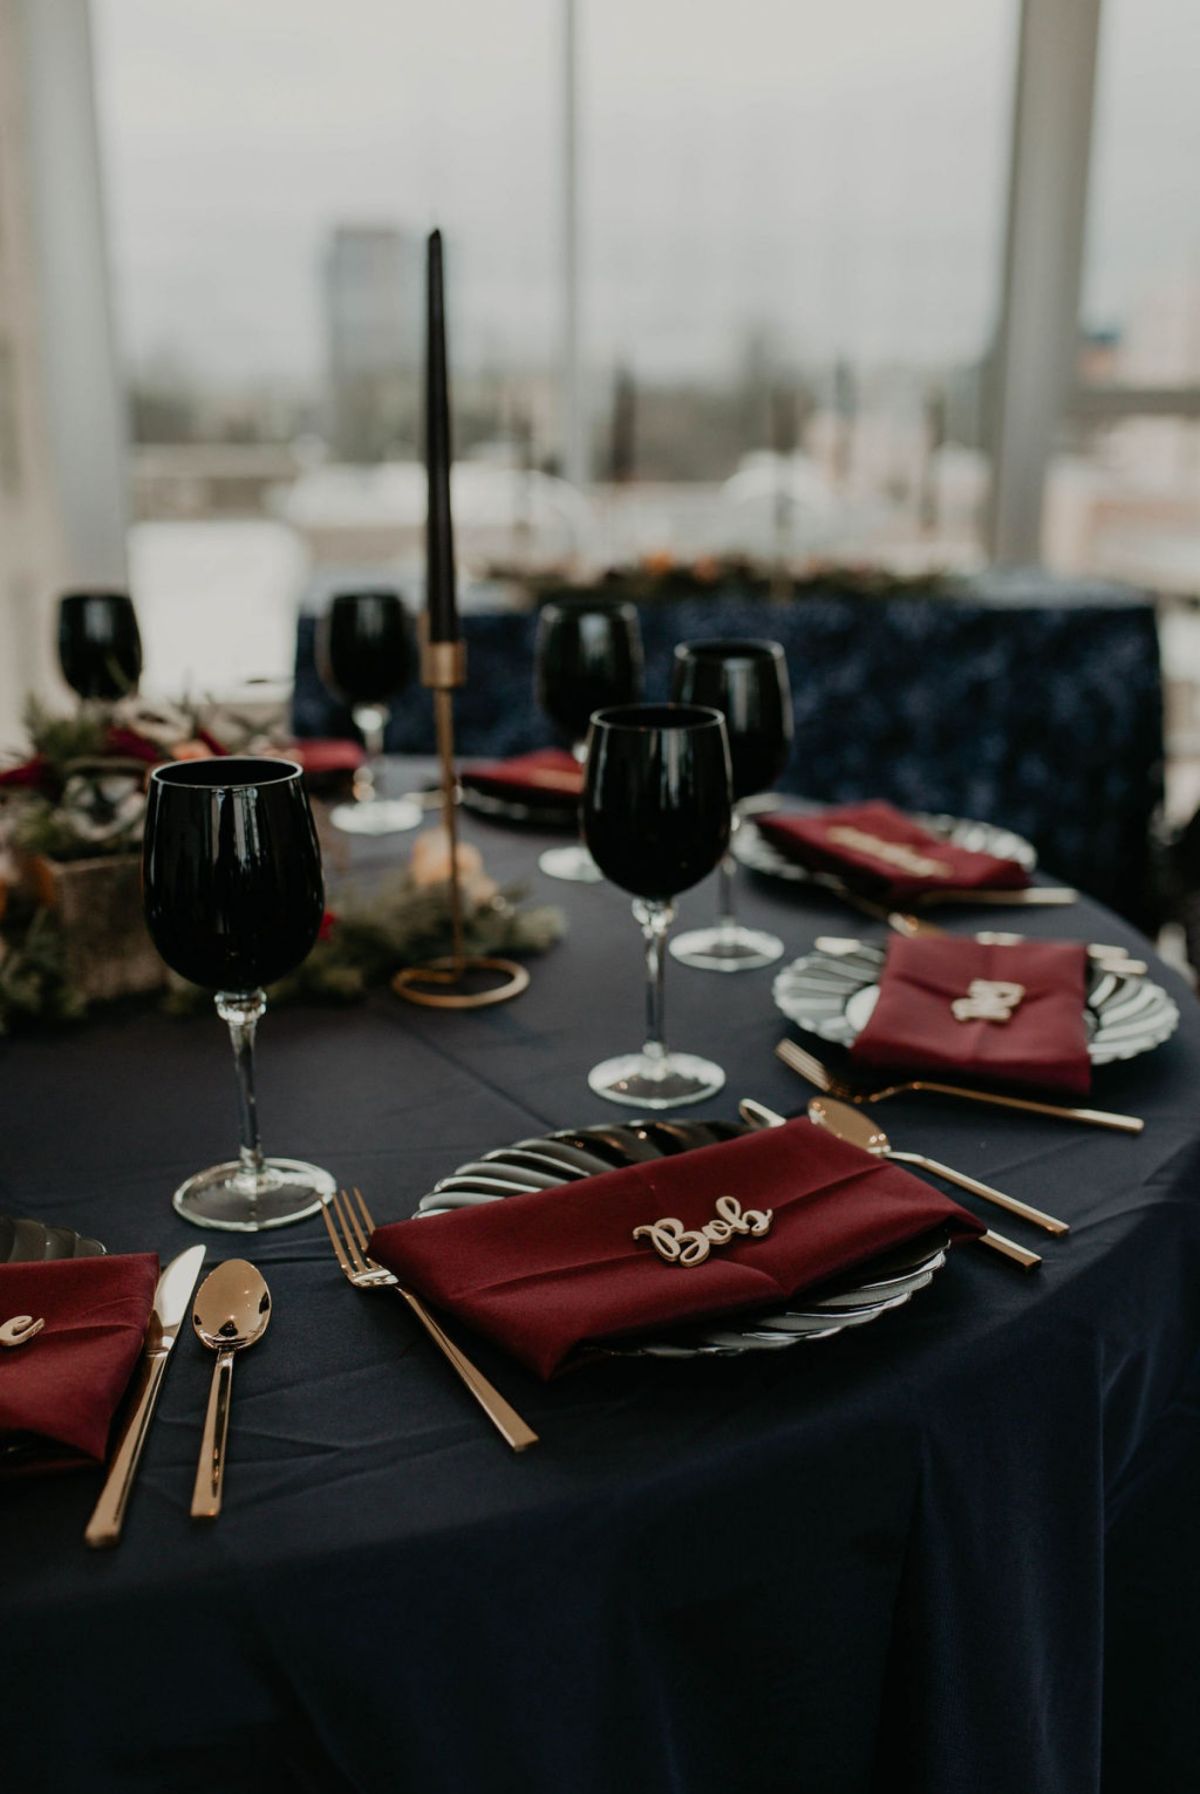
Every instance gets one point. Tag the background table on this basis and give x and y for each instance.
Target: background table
(1016, 697)
(957, 1549)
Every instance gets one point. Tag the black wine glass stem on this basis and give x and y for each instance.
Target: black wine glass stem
(242, 1011)
(655, 920)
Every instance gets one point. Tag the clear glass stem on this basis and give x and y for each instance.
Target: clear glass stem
(242, 1010)
(655, 920)
(371, 720)
(726, 918)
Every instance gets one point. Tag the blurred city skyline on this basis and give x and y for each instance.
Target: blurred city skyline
(831, 182)
(790, 180)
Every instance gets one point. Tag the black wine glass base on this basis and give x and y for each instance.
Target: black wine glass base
(236, 1201)
(728, 947)
(656, 1081)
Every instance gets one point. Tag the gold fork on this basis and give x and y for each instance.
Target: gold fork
(349, 1241)
(798, 1060)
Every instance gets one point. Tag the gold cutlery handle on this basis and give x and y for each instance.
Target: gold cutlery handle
(1011, 1203)
(210, 1471)
(505, 1419)
(1020, 896)
(1020, 1255)
(108, 1515)
(757, 1115)
(1120, 1124)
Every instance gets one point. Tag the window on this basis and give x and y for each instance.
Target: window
(1124, 492)
(793, 222)
(790, 223)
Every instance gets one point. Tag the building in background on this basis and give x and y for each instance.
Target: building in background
(373, 323)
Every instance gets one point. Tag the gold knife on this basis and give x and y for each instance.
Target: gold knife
(172, 1298)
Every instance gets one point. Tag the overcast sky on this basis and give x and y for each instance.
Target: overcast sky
(834, 173)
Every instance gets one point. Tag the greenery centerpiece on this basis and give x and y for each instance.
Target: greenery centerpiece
(71, 924)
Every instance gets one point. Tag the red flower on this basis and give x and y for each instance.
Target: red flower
(328, 922)
(132, 746)
(30, 775)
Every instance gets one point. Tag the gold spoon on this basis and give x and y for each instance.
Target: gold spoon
(231, 1311)
(852, 1125)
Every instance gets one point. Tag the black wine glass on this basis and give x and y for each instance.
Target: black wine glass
(99, 646)
(231, 875)
(366, 655)
(747, 681)
(656, 814)
(588, 657)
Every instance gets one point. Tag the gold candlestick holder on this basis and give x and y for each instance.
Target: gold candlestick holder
(438, 983)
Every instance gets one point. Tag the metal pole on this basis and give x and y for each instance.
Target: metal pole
(575, 458)
(84, 401)
(1036, 340)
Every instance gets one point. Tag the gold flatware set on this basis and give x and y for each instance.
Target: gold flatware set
(1024, 897)
(349, 1224)
(171, 1298)
(232, 1309)
(230, 1312)
(855, 1128)
(808, 1066)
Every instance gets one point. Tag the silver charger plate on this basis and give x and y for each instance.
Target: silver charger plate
(833, 995)
(888, 1281)
(30, 1242)
(751, 848)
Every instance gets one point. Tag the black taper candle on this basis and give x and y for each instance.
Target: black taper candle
(440, 602)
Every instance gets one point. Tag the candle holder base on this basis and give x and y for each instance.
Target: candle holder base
(436, 984)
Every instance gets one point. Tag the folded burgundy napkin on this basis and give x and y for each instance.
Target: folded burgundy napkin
(1044, 1042)
(63, 1385)
(548, 775)
(885, 852)
(555, 1269)
(319, 757)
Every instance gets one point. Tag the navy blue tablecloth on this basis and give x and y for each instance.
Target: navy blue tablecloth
(954, 1550)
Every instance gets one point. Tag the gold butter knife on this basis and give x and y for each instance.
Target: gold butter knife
(171, 1300)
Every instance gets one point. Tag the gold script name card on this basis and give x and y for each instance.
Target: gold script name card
(20, 1330)
(988, 1000)
(892, 853)
(691, 1245)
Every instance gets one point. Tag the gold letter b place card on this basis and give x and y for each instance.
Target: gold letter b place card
(988, 1000)
(682, 1245)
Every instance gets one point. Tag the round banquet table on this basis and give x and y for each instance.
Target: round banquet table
(957, 1549)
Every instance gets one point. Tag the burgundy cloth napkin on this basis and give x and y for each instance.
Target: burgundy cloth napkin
(827, 843)
(545, 1272)
(64, 1385)
(914, 1028)
(320, 757)
(548, 775)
